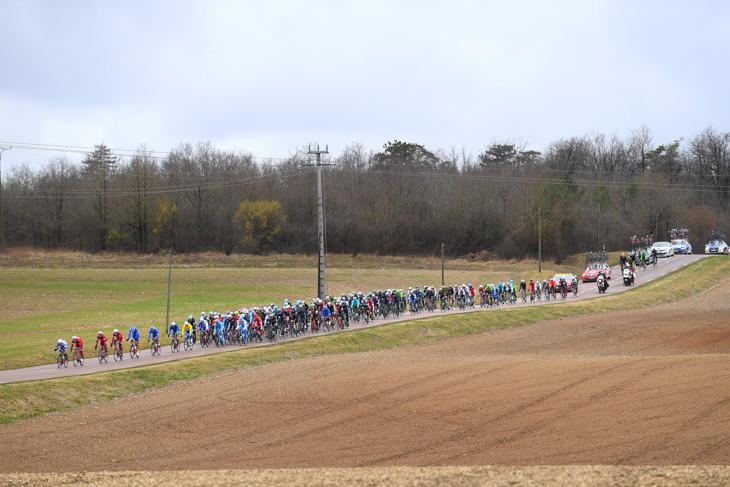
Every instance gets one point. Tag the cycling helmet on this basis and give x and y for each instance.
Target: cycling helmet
(100, 334)
(190, 317)
(116, 331)
(60, 341)
(74, 337)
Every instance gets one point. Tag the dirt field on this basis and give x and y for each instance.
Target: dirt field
(636, 388)
(594, 476)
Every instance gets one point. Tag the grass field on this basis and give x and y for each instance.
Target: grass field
(24, 400)
(45, 296)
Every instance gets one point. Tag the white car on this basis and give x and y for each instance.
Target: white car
(681, 246)
(663, 249)
(716, 247)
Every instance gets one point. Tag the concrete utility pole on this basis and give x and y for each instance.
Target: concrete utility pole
(2, 149)
(321, 290)
(539, 240)
(169, 287)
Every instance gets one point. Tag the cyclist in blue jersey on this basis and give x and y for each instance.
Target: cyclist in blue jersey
(174, 330)
(154, 334)
(243, 325)
(133, 334)
(218, 329)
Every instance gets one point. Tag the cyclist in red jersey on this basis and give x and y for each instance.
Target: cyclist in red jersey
(101, 339)
(117, 339)
(78, 344)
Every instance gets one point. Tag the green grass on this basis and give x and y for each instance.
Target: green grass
(47, 296)
(23, 400)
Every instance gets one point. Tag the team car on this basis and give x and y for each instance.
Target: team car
(663, 249)
(567, 277)
(681, 246)
(716, 247)
(592, 271)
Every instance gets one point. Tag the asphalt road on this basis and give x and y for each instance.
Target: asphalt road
(92, 365)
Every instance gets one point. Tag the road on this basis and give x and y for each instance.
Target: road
(91, 365)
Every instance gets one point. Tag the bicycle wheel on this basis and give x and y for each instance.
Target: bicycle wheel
(59, 361)
(101, 356)
(132, 351)
(76, 359)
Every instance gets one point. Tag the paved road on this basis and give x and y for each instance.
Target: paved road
(92, 365)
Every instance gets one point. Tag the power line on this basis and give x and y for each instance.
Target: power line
(118, 152)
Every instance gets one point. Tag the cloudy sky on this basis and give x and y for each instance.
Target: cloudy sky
(271, 76)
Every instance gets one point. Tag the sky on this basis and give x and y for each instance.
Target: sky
(269, 77)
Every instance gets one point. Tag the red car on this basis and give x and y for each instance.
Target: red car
(591, 272)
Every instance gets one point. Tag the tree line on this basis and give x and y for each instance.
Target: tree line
(584, 192)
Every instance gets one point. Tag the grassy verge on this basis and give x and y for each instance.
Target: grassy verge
(24, 400)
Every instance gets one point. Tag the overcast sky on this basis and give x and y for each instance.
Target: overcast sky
(271, 76)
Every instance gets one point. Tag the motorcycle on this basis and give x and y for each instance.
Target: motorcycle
(602, 284)
(628, 277)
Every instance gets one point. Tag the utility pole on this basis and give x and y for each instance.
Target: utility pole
(169, 286)
(539, 240)
(2, 149)
(442, 266)
(320, 219)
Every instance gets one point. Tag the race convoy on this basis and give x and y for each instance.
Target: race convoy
(717, 243)
(592, 271)
(681, 246)
(663, 249)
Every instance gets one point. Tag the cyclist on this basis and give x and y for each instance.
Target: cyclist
(256, 324)
(243, 324)
(78, 343)
(532, 289)
(133, 335)
(326, 314)
(218, 329)
(117, 339)
(61, 346)
(187, 329)
(622, 261)
(191, 320)
(653, 255)
(643, 257)
(174, 330)
(101, 339)
(154, 334)
(203, 328)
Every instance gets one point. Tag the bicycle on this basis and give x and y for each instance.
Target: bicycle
(188, 342)
(175, 345)
(118, 351)
(156, 349)
(133, 349)
(62, 360)
(522, 296)
(103, 355)
(78, 359)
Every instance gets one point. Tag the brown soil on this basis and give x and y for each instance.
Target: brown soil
(646, 387)
(595, 476)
